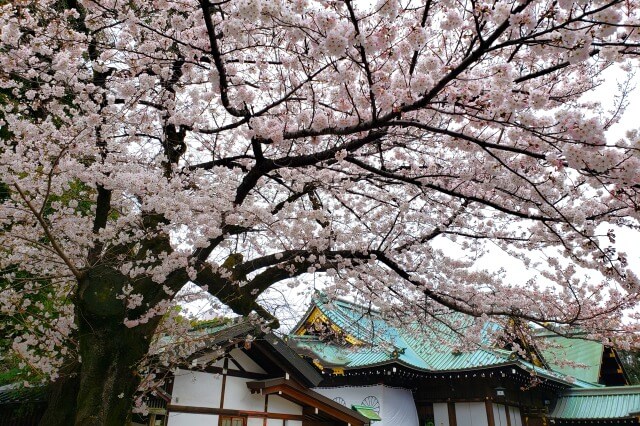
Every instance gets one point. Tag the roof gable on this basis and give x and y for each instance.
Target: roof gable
(597, 363)
(587, 353)
(265, 349)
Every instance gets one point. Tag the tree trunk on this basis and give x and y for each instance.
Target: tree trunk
(109, 351)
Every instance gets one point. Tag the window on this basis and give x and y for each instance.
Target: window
(232, 421)
(158, 420)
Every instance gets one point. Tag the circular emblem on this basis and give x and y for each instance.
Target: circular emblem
(372, 401)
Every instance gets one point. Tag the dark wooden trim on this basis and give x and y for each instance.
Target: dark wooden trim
(489, 407)
(303, 398)
(451, 407)
(266, 409)
(506, 409)
(436, 400)
(225, 371)
(229, 412)
(237, 364)
(170, 381)
(291, 372)
(523, 419)
(236, 373)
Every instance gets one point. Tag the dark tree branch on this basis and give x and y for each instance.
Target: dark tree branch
(450, 192)
(219, 63)
(268, 165)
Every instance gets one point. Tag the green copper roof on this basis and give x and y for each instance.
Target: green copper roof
(616, 402)
(368, 412)
(587, 353)
(427, 349)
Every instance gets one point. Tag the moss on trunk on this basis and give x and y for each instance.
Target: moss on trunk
(110, 352)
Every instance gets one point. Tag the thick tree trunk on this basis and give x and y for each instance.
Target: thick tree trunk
(110, 353)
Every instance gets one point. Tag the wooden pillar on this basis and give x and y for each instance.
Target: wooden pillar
(506, 409)
(524, 419)
(452, 414)
(266, 410)
(224, 380)
(489, 406)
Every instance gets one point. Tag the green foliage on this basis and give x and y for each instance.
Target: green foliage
(79, 192)
(9, 373)
(41, 302)
(211, 323)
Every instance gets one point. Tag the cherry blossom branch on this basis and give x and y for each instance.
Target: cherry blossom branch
(457, 135)
(442, 229)
(45, 227)
(363, 58)
(451, 192)
(267, 165)
(291, 263)
(549, 70)
(217, 60)
(463, 65)
(423, 22)
(229, 162)
(265, 109)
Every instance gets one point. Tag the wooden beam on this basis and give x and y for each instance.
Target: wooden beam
(489, 407)
(451, 407)
(304, 399)
(229, 412)
(266, 409)
(224, 380)
(236, 373)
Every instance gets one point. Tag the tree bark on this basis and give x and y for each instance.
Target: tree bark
(110, 352)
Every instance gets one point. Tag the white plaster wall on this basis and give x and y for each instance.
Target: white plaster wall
(440, 414)
(275, 422)
(247, 363)
(293, 423)
(514, 413)
(197, 389)
(278, 404)
(471, 414)
(500, 415)
(237, 395)
(397, 406)
(188, 419)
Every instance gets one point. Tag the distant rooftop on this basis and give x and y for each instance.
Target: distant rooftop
(614, 403)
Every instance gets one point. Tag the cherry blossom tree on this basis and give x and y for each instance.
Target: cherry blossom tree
(239, 144)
